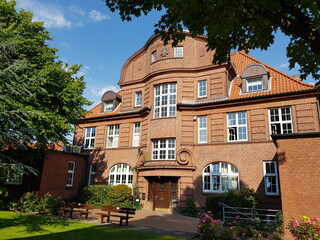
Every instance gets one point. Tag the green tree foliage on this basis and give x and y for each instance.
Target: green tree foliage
(40, 96)
(234, 24)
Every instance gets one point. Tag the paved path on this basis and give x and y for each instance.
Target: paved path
(156, 222)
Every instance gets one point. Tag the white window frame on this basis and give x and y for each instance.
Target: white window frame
(15, 174)
(120, 174)
(70, 176)
(281, 122)
(178, 51)
(255, 83)
(270, 175)
(153, 56)
(113, 136)
(236, 126)
(202, 129)
(89, 139)
(202, 89)
(215, 173)
(92, 174)
(136, 135)
(164, 149)
(165, 100)
(138, 99)
(108, 106)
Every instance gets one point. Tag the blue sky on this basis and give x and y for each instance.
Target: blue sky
(87, 33)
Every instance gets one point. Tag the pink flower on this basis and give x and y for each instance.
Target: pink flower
(234, 221)
(209, 212)
(238, 216)
(296, 223)
(316, 218)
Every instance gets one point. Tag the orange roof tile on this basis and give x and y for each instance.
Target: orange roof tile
(96, 112)
(280, 83)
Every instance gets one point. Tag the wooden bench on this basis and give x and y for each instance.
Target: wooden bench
(82, 209)
(120, 212)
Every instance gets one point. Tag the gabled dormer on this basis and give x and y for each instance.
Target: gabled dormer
(110, 101)
(255, 78)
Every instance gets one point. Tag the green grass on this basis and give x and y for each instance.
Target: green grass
(16, 226)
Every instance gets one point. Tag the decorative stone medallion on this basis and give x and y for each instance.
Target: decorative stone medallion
(184, 156)
(141, 158)
(164, 52)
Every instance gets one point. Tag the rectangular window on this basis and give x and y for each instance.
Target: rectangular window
(15, 174)
(92, 174)
(237, 126)
(202, 88)
(136, 135)
(202, 129)
(280, 120)
(154, 56)
(138, 99)
(178, 51)
(254, 84)
(165, 100)
(89, 138)
(70, 177)
(164, 149)
(108, 107)
(270, 178)
(113, 136)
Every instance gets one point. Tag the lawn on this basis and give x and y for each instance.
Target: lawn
(16, 226)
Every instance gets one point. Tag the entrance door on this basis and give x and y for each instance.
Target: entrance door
(162, 190)
(161, 194)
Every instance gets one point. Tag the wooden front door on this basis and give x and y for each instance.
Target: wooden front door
(162, 190)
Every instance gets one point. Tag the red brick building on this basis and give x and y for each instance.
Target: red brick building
(191, 128)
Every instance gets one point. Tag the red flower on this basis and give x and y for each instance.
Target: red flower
(318, 229)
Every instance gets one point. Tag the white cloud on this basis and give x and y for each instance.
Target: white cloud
(284, 65)
(98, 92)
(51, 15)
(76, 9)
(66, 46)
(83, 71)
(97, 16)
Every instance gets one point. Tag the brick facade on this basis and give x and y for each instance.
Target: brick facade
(55, 172)
(299, 172)
(224, 96)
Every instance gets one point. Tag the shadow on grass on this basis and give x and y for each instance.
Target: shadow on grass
(101, 232)
(32, 223)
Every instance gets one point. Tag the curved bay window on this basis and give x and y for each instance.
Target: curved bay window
(120, 174)
(219, 177)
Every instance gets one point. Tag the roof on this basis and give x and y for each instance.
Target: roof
(280, 82)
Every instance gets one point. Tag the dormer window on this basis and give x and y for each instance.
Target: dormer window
(255, 78)
(110, 101)
(255, 84)
(108, 107)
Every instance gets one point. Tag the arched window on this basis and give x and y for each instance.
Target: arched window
(219, 177)
(121, 174)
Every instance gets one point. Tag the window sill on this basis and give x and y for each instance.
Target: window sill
(161, 118)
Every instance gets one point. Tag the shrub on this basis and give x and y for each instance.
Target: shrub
(3, 200)
(95, 194)
(51, 203)
(190, 209)
(120, 196)
(236, 198)
(210, 228)
(31, 202)
(305, 229)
